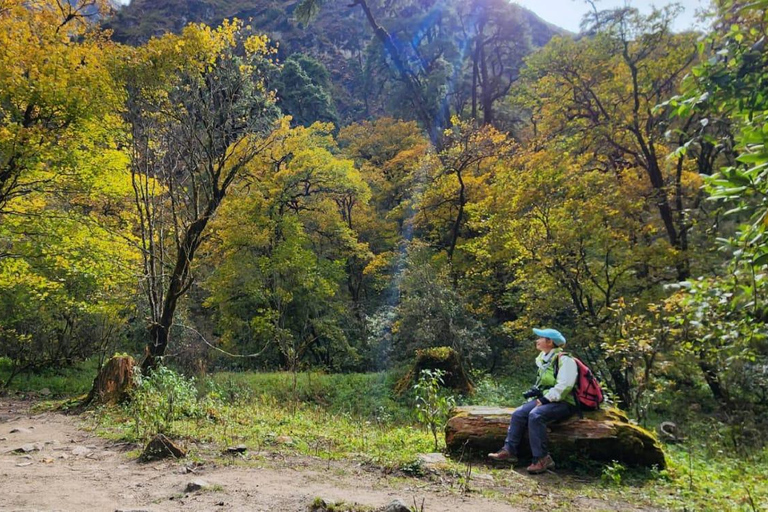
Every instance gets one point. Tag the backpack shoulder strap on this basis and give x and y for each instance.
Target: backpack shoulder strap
(557, 362)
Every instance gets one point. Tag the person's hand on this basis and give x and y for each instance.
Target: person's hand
(538, 402)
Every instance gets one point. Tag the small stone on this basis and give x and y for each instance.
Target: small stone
(45, 392)
(432, 458)
(196, 485)
(284, 439)
(28, 448)
(80, 451)
(131, 510)
(23, 464)
(396, 506)
(241, 448)
(483, 476)
(20, 431)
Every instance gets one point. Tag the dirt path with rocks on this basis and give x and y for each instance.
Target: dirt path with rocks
(48, 462)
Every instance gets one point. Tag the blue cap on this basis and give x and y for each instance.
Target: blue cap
(552, 334)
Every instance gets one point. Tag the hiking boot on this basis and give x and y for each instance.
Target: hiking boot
(541, 465)
(502, 455)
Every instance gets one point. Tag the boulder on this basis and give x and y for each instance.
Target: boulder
(604, 435)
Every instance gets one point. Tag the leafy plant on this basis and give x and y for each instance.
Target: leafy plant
(433, 405)
(612, 473)
(160, 399)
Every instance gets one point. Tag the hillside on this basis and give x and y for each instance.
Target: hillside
(341, 39)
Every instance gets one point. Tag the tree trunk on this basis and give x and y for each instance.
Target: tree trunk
(604, 435)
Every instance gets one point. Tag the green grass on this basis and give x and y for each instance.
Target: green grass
(267, 424)
(61, 382)
(367, 396)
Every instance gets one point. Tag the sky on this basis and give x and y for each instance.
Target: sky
(567, 14)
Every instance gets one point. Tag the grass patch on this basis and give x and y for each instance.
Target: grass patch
(266, 424)
(61, 382)
(368, 395)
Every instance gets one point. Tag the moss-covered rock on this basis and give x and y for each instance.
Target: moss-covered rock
(604, 435)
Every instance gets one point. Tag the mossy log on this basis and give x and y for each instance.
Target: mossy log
(604, 435)
(114, 381)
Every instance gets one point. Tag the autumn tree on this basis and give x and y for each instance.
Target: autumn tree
(575, 240)
(601, 94)
(196, 108)
(55, 80)
(285, 237)
(458, 175)
(390, 157)
(65, 216)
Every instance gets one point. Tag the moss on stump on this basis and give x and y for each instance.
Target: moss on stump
(604, 435)
(438, 358)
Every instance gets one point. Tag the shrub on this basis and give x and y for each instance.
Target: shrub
(160, 399)
(433, 405)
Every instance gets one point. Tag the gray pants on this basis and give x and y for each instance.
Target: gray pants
(535, 419)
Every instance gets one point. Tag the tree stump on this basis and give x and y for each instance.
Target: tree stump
(160, 447)
(604, 435)
(113, 382)
(439, 358)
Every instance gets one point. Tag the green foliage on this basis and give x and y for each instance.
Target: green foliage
(337, 393)
(493, 391)
(432, 312)
(62, 382)
(433, 405)
(160, 399)
(612, 474)
(303, 90)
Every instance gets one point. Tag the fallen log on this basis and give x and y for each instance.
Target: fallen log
(604, 435)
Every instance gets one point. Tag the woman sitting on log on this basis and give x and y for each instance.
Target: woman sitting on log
(553, 402)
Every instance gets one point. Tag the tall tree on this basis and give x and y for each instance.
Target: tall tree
(601, 93)
(196, 108)
(54, 80)
(285, 237)
(499, 41)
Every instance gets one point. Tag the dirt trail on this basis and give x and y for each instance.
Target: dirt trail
(70, 469)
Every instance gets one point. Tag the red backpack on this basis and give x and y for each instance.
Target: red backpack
(587, 391)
